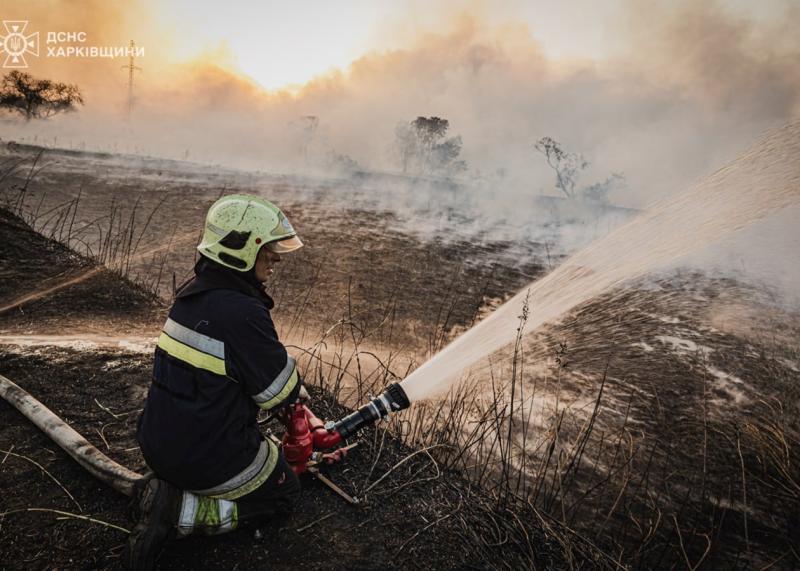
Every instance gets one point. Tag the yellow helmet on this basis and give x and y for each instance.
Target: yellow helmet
(237, 226)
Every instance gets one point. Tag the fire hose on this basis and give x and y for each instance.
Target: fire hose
(82, 451)
(306, 440)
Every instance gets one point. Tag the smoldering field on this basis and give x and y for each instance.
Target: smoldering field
(689, 86)
(657, 420)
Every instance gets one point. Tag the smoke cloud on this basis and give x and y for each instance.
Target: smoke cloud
(692, 86)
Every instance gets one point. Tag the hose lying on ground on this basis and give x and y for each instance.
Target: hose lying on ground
(98, 464)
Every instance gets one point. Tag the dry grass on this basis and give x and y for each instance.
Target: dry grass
(634, 466)
(690, 488)
(113, 240)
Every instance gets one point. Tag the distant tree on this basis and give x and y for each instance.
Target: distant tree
(37, 98)
(422, 145)
(567, 166)
(430, 130)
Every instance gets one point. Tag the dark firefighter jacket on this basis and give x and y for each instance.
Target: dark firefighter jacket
(217, 362)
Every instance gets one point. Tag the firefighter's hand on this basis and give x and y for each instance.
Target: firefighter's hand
(335, 456)
(303, 396)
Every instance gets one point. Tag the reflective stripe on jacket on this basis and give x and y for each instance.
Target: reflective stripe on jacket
(218, 361)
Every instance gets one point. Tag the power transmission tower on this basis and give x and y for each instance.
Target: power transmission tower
(131, 67)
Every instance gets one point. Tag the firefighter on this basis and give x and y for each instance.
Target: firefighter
(217, 363)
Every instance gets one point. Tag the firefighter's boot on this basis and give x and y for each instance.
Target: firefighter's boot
(159, 506)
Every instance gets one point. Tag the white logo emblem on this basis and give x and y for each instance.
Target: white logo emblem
(15, 44)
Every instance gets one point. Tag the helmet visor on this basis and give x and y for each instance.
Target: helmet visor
(286, 245)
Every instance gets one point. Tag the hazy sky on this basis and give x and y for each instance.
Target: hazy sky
(661, 91)
(279, 43)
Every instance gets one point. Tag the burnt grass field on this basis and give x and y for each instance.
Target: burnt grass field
(653, 427)
(413, 513)
(416, 517)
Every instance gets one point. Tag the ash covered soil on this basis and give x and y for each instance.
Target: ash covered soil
(31, 263)
(697, 420)
(699, 377)
(417, 516)
(361, 260)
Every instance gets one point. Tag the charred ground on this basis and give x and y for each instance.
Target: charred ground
(418, 516)
(31, 263)
(665, 421)
(358, 255)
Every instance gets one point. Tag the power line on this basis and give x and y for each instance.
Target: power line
(131, 67)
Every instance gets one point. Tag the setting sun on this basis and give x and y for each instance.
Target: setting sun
(278, 44)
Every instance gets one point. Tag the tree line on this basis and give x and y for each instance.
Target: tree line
(422, 146)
